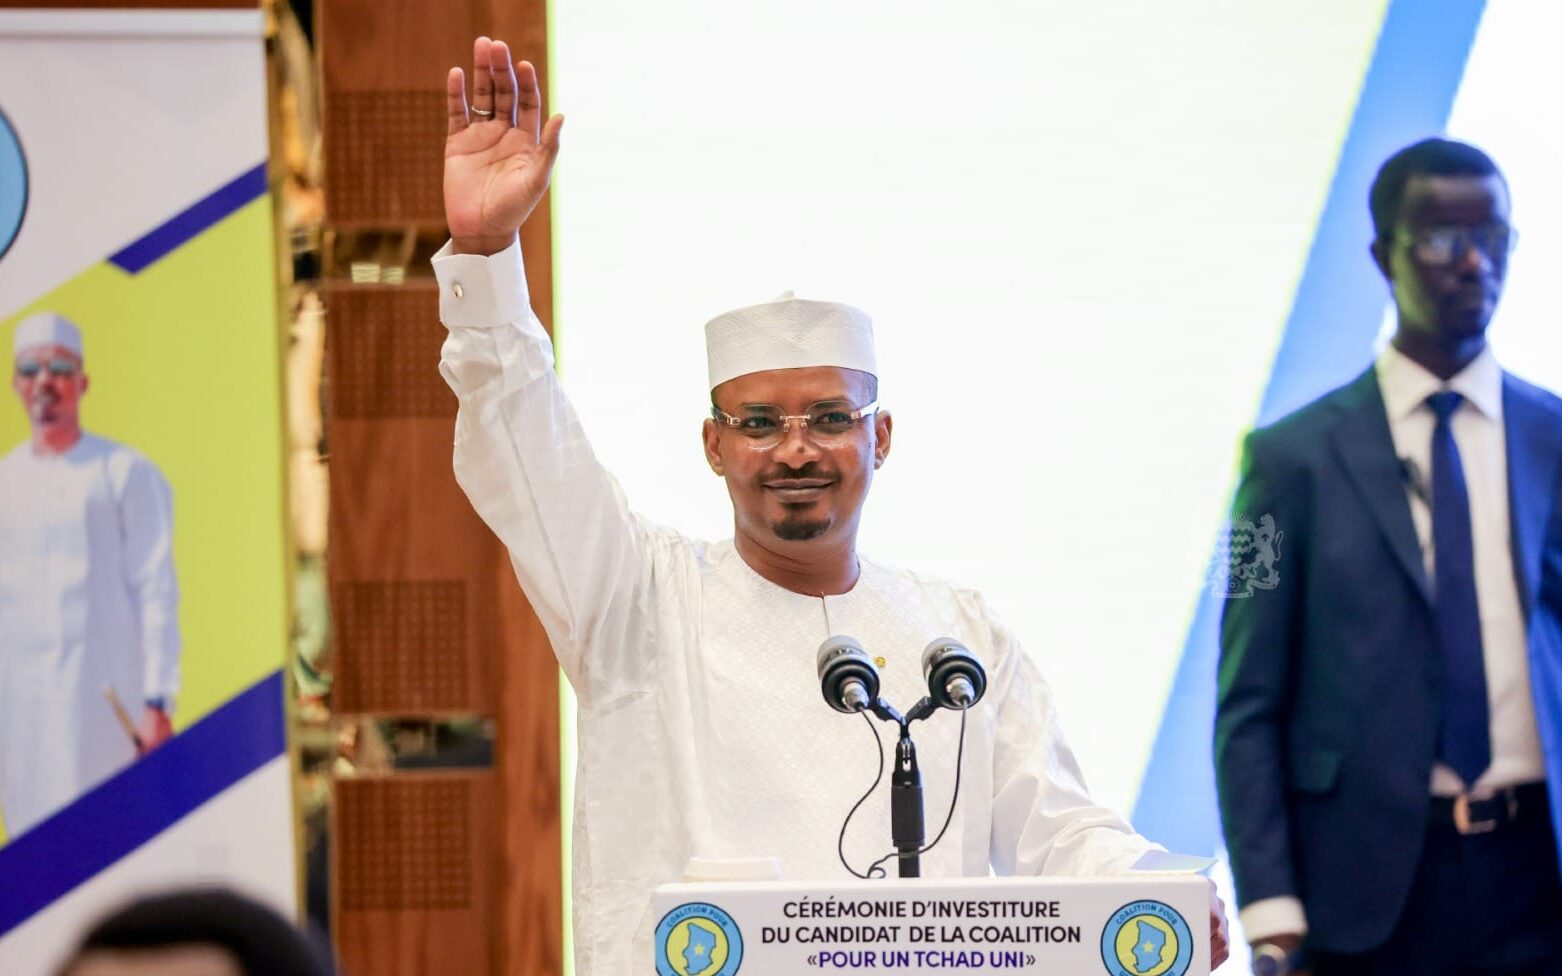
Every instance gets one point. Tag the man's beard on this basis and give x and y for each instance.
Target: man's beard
(797, 529)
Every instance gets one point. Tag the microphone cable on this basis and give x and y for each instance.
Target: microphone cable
(840, 843)
(959, 761)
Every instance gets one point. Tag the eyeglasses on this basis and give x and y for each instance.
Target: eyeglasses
(58, 367)
(764, 426)
(1444, 245)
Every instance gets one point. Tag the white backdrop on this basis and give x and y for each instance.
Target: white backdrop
(1078, 228)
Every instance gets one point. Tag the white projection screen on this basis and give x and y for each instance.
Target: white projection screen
(1080, 229)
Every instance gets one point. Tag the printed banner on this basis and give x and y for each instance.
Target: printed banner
(1145, 925)
(143, 613)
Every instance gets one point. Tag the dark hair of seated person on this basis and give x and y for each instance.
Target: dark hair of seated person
(260, 940)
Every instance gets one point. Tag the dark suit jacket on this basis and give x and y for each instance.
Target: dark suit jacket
(1326, 723)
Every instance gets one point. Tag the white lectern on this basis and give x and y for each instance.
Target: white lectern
(1141, 924)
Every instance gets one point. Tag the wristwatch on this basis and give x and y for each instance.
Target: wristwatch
(1270, 960)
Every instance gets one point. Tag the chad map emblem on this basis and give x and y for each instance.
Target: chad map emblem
(697, 939)
(1147, 938)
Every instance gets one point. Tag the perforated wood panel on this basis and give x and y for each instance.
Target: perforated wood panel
(415, 874)
(384, 354)
(383, 156)
(412, 842)
(398, 516)
(402, 645)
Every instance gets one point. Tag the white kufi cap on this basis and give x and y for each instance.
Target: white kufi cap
(47, 329)
(788, 333)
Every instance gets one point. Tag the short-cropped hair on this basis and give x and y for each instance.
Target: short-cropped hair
(1429, 157)
(263, 942)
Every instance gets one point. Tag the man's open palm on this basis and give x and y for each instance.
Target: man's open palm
(498, 153)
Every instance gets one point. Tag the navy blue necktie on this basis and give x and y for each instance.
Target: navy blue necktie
(1464, 741)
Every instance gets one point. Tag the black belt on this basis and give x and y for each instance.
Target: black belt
(1507, 806)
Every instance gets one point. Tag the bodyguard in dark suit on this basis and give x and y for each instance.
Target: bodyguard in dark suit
(1389, 723)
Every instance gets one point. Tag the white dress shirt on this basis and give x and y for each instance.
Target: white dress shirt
(1481, 437)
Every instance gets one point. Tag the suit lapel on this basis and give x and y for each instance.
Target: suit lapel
(1366, 449)
(1534, 453)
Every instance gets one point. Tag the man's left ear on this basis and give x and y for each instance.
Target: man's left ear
(883, 427)
(710, 443)
(1380, 257)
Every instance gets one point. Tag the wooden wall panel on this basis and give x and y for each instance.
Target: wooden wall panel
(384, 356)
(406, 646)
(383, 152)
(429, 617)
(416, 882)
(376, 45)
(383, 65)
(410, 562)
(406, 546)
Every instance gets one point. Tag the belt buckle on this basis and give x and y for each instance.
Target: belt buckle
(1462, 821)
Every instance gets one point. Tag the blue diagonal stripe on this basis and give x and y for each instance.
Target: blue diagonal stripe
(146, 798)
(192, 220)
(1407, 94)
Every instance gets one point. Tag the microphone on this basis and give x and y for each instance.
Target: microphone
(847, 677)
(955, 678)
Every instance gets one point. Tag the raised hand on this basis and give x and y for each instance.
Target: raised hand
(498, 153)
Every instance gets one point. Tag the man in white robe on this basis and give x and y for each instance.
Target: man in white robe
(702, 729)
(88, 598)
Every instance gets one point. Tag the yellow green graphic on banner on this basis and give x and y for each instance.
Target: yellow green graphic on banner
(182, 365)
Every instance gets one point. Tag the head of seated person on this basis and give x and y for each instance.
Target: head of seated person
(199, 932)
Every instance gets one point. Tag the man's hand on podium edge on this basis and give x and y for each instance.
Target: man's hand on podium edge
(1219, 933)
(1290, 944)
(498, 153)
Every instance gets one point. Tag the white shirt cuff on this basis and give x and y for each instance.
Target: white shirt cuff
(1269, 917)
(481, 292)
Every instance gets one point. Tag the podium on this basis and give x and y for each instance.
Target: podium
(1139, 924)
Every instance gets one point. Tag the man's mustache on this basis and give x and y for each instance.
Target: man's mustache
(813, 469)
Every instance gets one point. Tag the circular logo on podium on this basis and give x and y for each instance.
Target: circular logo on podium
(13, 184)
(1146, 938)
(698, 940)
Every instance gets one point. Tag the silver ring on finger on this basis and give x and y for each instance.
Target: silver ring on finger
(486, 113)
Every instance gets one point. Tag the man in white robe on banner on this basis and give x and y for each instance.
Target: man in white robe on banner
(703, 733)
(88, 597)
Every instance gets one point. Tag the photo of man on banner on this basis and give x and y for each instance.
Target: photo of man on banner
(89, 627)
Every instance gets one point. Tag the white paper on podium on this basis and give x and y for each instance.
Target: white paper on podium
(1144, 924)
(1154, 860)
